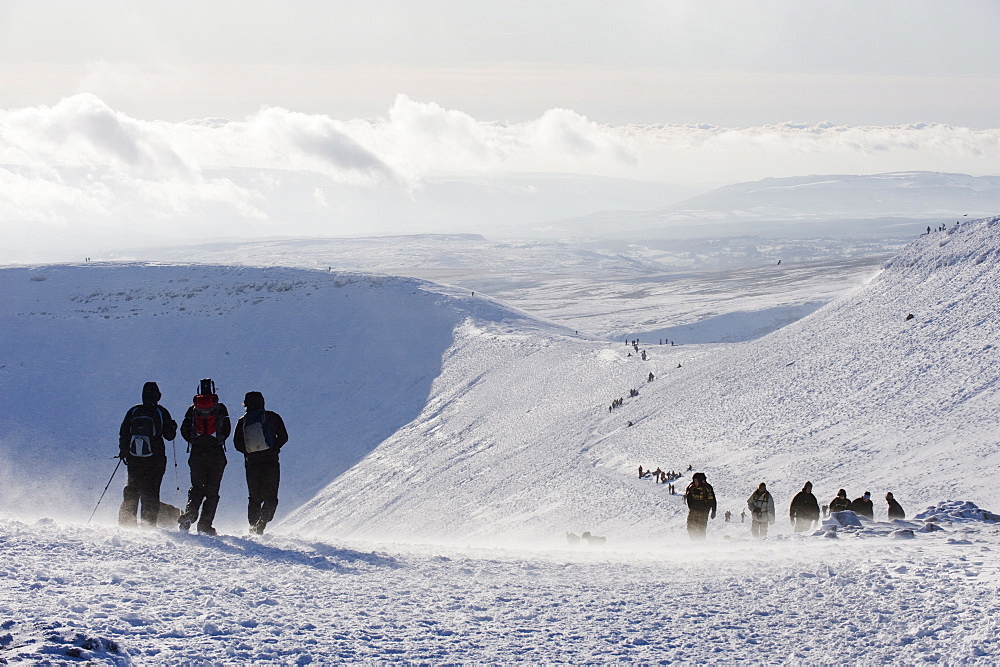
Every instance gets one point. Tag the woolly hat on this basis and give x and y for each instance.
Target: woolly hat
(254, 400)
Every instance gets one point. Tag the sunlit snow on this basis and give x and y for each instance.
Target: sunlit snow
(444, 442)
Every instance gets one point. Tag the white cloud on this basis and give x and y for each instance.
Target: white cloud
(417, 139)
(81, 162)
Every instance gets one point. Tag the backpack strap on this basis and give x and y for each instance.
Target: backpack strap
(218, 410)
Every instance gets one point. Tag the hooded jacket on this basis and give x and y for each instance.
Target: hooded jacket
(863, 507)
(166, 427)
(272, 422)
(840, 503)
(700, 498)
(804, 506)
(895, 509)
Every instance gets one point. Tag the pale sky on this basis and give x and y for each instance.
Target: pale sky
(135, 121)
(735, 63)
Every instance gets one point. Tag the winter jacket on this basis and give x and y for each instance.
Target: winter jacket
(839, 504)
(700, 499)
(896, 510)
(863, 507)
(804, 506)
(272, 422)
(761, 505)
(166, 427)
(206, 443)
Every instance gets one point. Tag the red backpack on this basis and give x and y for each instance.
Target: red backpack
(204, 414)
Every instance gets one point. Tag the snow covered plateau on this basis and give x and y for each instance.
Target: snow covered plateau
(445, 443)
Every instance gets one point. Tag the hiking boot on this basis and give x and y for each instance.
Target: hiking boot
(258, 528)
(206, 530)
(184, 523)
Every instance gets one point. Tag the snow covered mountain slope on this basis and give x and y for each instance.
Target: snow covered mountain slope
(345, 359)
(606, 288)
(420, 412)
(517, 441)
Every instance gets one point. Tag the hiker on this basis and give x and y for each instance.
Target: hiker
(840, 503)
(260, 434)
(761, 506)
(729, 515)
(141, 448)
(700, 499)
(895, 509)
(205, 428)
(863, 506)
(804, 510)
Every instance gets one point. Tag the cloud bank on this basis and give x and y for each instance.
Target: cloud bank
(82, 167)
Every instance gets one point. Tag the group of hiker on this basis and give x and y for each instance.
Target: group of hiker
(803, 512)
(259, 435)
(659, 476)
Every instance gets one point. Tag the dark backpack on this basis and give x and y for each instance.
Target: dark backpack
(256, 436)
(145, 424)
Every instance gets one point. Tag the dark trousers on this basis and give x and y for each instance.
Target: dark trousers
(143, 486)
(697, 524)
(262, 483)
(206, 478)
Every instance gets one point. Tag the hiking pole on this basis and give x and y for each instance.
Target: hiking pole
(177, 482)
(105, 491)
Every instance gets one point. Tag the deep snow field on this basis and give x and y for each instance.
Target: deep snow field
(443, 444)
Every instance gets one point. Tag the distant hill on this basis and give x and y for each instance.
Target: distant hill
(891, 205)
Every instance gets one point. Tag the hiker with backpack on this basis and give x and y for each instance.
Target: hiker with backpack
(141, 448)
(260, 434)
(700, 499)
(205, 428)
(761, 506)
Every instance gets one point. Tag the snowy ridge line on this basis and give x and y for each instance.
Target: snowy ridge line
(856, 395)
(950, 247)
